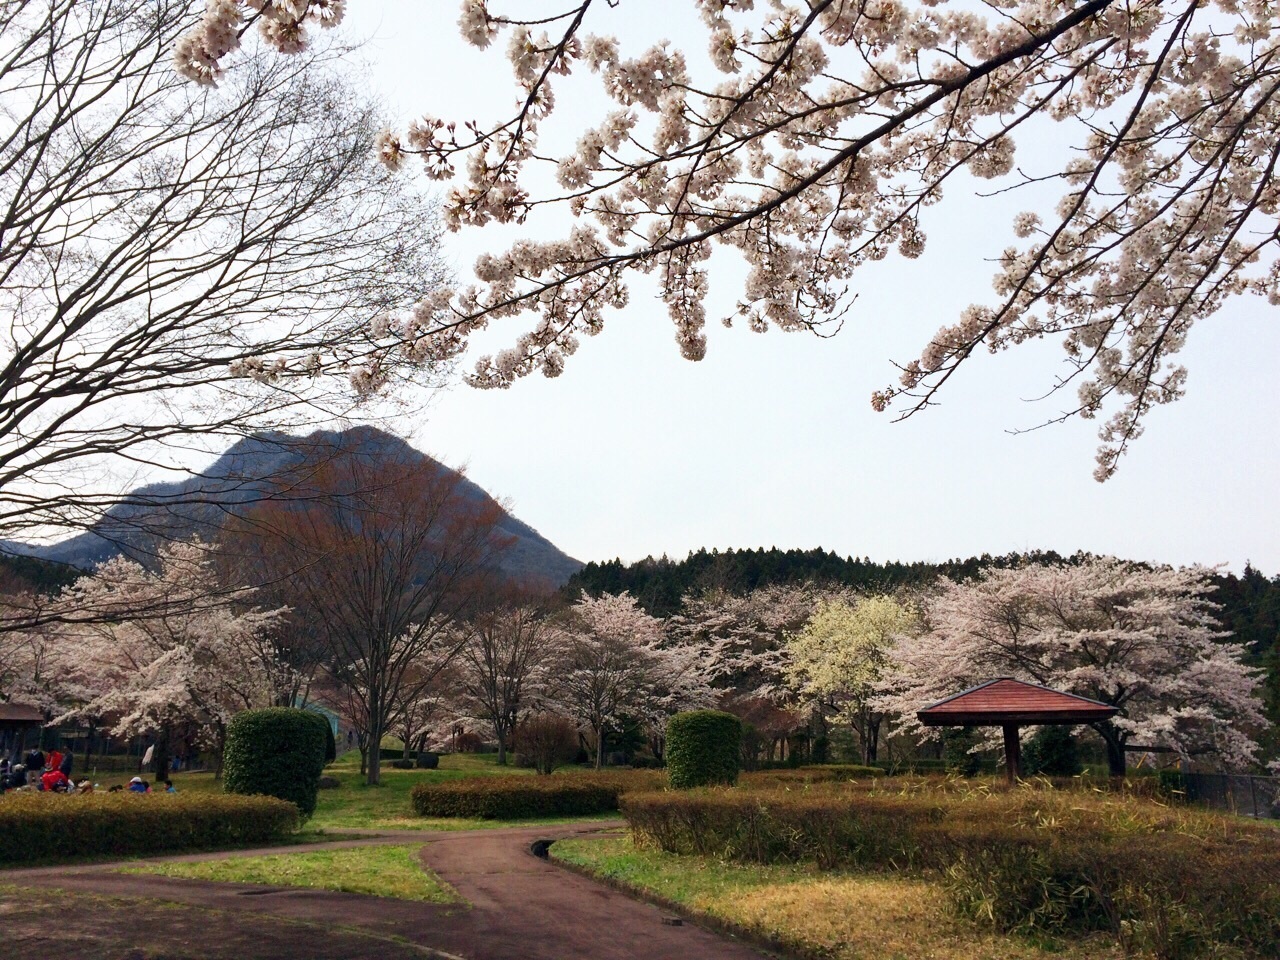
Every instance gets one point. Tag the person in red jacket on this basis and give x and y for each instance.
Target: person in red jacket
(56, 781)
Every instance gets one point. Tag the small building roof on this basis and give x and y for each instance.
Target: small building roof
(20, 714)
(1008, 701)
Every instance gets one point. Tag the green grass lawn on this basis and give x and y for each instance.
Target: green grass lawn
(829, 915)
(354, 805)
(380, 871)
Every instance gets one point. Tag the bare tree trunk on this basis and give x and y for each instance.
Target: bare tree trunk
(1116, 762)
(374, 775)
(870, 739)
(160, 758)
(600, 747)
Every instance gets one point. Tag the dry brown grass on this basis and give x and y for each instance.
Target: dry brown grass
(836, 916)
(882, 918)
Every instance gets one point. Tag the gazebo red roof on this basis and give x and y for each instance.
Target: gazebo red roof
(1006, 701)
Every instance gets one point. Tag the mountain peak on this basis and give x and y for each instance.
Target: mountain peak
(243, 474)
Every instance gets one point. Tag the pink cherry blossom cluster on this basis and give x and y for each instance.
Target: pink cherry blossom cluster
(282, 24)
(823, 136)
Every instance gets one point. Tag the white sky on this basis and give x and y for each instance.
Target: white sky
(771, 439)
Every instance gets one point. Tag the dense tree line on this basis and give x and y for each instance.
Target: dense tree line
(1250, 601)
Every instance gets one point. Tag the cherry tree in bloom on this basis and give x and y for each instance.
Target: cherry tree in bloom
(1144, 640)
(811, 138)
(181, 652)
(840, 656)
(504, 665)
(615, 659)
(744, 638)
(744, 644)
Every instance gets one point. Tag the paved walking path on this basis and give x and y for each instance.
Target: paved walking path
(519, 907)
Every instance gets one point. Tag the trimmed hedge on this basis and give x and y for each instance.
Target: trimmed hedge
(278, 752)
(704, 747)
(330, 744)
(522, 797)
(825, 773)
(1171, 882)
(38, 826)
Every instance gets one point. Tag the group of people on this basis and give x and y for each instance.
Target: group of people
(52, 772)
(40, 772)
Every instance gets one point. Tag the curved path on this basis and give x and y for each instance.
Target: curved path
(519, 907)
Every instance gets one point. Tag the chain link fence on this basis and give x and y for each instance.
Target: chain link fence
(1245, 795)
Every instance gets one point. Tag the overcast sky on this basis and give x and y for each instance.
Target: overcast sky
(771, 440)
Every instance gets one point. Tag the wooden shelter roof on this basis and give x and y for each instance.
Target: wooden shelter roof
(1005, 701)
(20, 714)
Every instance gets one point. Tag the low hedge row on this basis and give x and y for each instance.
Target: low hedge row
(522, 797)
(1166, 881)
(824, 773)
(36, 826)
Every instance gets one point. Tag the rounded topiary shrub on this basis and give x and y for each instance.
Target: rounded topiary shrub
(278, 752)
(330, 744)
(428, 760)
(703, 747)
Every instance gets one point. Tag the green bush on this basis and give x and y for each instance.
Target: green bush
(518, 798)
(278, 752)
(427, 760)
(40, 826)
(1052, 752)
(330, 744)
(1168, 881)
(704, 747)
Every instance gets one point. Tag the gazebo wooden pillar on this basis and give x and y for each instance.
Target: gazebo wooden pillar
(1010, 704)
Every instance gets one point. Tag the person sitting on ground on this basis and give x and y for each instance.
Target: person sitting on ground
(84, 786)
(115, 788)
(55, 780)
(168, 786)
(14, 778)
(138, 785)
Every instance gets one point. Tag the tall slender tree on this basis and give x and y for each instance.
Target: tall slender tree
(504, 665)
(392, 555)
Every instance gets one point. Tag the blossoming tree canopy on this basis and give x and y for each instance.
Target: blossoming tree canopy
(1143, 640)
(811, 138)
(839, 656)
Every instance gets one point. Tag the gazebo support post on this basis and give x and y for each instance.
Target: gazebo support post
(1012, 753)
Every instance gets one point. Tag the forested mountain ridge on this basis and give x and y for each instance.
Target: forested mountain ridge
(1250, 601)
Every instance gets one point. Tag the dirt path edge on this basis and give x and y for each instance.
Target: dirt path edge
(782, 949)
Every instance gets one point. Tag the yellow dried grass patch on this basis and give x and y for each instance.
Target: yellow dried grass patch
(864, 918)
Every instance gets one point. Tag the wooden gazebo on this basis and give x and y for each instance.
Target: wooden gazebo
(15, 720)
(1008, 703)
